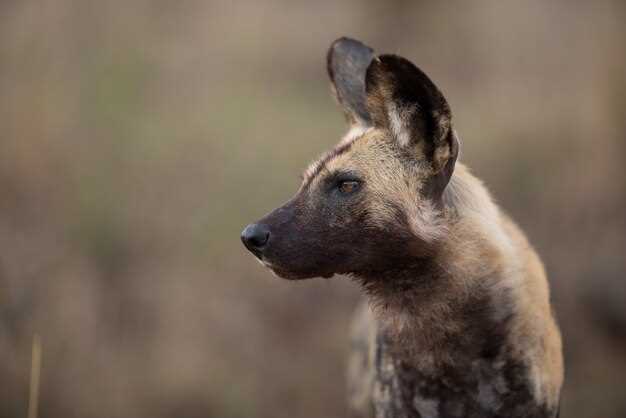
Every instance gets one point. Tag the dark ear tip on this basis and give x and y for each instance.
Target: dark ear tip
(391, 68)
(390, 62)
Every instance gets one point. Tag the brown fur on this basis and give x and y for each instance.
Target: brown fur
(458, 321)
(484, 257)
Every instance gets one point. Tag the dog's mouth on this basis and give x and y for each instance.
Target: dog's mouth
(291, 274)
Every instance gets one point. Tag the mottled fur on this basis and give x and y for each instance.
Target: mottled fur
(483, 329)
(458, 320)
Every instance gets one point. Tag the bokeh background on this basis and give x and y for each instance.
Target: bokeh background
(137, 138)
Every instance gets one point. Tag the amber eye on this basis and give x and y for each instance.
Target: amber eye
(348, 186)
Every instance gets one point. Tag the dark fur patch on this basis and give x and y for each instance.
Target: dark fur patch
(319, 233)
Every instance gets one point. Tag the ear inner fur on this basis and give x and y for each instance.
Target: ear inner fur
(403, 100)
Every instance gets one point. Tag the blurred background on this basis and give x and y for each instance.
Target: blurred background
(138, 138)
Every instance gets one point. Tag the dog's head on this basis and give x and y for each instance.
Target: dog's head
(372, 203)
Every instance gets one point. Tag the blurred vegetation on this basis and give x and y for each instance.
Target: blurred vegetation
(138, 138)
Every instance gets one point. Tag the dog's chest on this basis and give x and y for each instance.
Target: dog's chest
(482, 388)
(382, 385)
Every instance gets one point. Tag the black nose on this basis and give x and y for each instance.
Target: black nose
(255, 236)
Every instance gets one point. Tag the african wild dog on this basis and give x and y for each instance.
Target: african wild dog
(458, 322)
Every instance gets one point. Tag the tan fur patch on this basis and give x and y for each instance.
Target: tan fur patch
(387, 181)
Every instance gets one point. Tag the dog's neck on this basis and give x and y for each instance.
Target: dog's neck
(434, 319)
(452, 349)
(449, 323)
(452, 300)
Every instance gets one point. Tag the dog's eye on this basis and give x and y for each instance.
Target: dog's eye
(348, 186)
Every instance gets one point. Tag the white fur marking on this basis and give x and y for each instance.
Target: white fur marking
(398, 128)
(354, 133)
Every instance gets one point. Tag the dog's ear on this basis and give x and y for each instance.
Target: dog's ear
(404, 101)
(347, 62)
